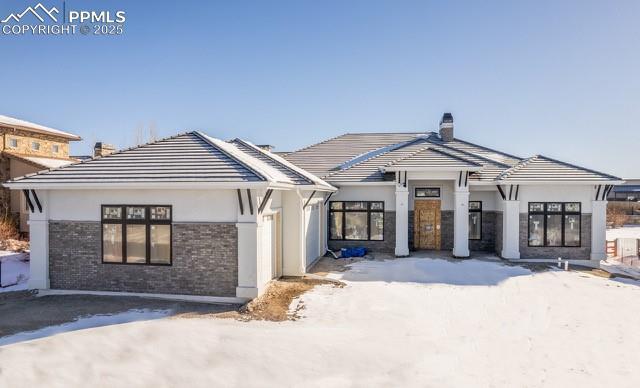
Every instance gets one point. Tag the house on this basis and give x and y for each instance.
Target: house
(399, 192)
(195, 215)
(187, 215)
(26, 148)
(625, 200)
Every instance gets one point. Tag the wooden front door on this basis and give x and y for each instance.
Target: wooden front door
(426, 224)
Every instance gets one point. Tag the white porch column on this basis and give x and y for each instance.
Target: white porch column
(461, 221)
(248, 248)
(510, 229)
(402, 221)
(598, 230)
(39, 236)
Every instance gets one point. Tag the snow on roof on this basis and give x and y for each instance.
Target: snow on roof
(22, 124)
(48, 162)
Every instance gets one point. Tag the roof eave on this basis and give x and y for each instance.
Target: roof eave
(20, 185)
(400, 168)
(69, 136)
(555, 182)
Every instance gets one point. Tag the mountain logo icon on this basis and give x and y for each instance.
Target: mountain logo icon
(35, 11)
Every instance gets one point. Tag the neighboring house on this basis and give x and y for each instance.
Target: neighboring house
(26, 148)
(404, 191)
(194, 215)
(189, 215)
(625, 199)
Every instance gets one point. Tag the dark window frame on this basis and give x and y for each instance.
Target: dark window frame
(344, 210)
(415, 192)
(479, 211)
(147, 222)
(562, 213)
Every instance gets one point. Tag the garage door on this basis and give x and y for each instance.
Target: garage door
(313, 233)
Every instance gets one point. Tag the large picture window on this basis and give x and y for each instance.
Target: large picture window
(136, 234)
(475, 220)
(554, 224)
(356, 220)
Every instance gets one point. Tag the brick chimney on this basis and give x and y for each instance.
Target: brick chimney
(103, 149)
(446, 127)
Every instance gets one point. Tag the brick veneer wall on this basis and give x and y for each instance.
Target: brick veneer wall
(446, 230)
(575, 253)
(205, 261)
(488, 241)
(388, 245)
(498, 232)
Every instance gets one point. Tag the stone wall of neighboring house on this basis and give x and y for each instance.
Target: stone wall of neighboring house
(388, 245)
(204, 261)
(488, 241)
(25, 139)
(583, 252)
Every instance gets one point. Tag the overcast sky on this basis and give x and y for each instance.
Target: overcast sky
(558, 78)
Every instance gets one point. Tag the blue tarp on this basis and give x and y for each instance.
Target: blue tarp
(353, 252)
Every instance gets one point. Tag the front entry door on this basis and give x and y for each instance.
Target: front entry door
(426, 224)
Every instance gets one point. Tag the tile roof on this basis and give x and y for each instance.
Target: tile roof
(257, 153)
(433, 157)
(323, 158)
(189, 157)
(540, 168)
(362, 157)
(22, 124)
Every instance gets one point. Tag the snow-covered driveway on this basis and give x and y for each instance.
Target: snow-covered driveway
(408, 322)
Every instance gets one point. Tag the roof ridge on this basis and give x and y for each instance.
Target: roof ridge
(470, 153)
(99, 157)
(578, 167)
(487, 148)
(408, 156)
(253, 146)
(456, 157)
(229, 155)
(404, 144)
(513, 169)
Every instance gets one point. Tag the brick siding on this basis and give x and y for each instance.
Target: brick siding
(205, 261)
(582, 252)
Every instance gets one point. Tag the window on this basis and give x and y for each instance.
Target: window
(475, 220)
(136, 234)
(427, 192)
(554, 224)
(55, 148)
(13, 143)
(351, 220)
(35, 145)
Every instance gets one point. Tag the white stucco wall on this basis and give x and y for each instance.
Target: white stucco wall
(488, 198)
(556, 193)
(446, 192)
(188, 205)
(384, 193)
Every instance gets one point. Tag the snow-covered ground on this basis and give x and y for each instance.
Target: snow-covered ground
(406, 322)
(15, 271)
(624, 232)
